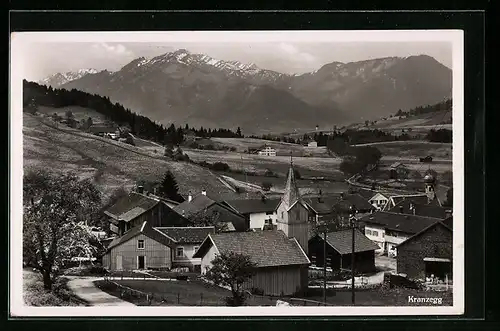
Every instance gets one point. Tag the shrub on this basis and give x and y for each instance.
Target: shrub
(220, 166)
(270, 173)
(267, 186)
(256, 291)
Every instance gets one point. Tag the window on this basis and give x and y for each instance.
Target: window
(195, 249)
(268, 222)
(140, 244)
(369, 232)
(179, 252)
(375, 233)
(269, 212)
(383, 235)
(282, 215)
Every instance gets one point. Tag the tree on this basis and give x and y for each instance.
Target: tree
(267, 185)
(129, 140)
(69, 115)
(169, 187)
(232, 270)
(238, 132)
(206, 218)
(297, 174)
(54, 221)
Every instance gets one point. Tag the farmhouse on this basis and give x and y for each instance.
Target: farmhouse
(141, 247)
(186, 240)
(258, 212)
(398, 170)
(201, 204)
(282, 265)
(429, 252)
(339, 250)
(267, 151)
(390, 229)
(135, 208)
(104, 131)
(379, 200)
(312, 144)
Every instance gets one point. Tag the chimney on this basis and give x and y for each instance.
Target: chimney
(401, 209)
(140, 189)
(204, 192)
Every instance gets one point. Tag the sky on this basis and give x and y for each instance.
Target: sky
(290, 57)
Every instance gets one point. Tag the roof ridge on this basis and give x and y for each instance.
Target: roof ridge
(183, 227)
(390, 212)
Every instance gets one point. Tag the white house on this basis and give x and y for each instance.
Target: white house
(267, 151)
(379, 200)
(312, 144)
(258, 212)
(389, 229)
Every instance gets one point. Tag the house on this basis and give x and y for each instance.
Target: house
(202, 204)
(281, 264)
(339, 250)
(398, 170)
(293, 213)
(258, 212)
(428, 252)
(104, 131)
(267, 151)
(379, 200)
(408, 206)
(141, 247)
(312, 144)
(337, 208)
(186, 240)
(388, 229)
(135, 208)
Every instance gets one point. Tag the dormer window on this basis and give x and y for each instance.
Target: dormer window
(140, 244)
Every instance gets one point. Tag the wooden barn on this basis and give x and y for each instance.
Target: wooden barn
(141, 247)
(282, 265)
(136, 208)
(429, 252)
(339, 251)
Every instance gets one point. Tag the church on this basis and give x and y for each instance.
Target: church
(280, 252)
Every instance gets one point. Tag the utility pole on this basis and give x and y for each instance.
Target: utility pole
(353, 225)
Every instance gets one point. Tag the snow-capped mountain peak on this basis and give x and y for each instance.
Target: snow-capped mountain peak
(59, 78)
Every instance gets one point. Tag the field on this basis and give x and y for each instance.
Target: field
(414, 149)
(282, 148)
(110, 164)
(78, 112)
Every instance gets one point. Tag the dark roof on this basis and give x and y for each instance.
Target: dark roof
(265, 248)
(328, 203)
(341, 241)
(410, 224)
(197, 204)
(131, 206)
(447, 223)
(253, 205)
(187, 235)
(146, 230)
(420, 209)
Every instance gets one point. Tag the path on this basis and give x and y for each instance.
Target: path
(84, 288)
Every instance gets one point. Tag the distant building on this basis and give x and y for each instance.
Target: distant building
(339, 251)
(105, 131)
(267, 151)
(398, 170)
(312, 144)
(429, 252)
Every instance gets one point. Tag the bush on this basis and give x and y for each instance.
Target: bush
(220, 166)
(236, 300)
(267, 186)
(256, 291)
(233, 149)
(270, 173)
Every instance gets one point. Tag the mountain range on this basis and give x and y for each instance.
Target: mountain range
(181, 87)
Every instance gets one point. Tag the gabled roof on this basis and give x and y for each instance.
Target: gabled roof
(420, 209)
(144, 229)
(341, 241)
(447, 223)
(409, 224)
(321, 205)
(187, 235)
(291, 194)
(198, 203)
(265, 248)
(131, 206)
(353, 200)
(253, 205)
(336, 202)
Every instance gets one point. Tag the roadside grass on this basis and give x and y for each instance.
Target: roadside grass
(35, 295)
(174, 293)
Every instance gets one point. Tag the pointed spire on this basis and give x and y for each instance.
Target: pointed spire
(291, 194)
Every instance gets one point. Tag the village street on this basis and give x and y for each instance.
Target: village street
(84, 288)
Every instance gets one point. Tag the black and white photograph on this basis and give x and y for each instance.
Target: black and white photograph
(237, 173)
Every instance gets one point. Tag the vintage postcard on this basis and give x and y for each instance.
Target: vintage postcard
(242, 173)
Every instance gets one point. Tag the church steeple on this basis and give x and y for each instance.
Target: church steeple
(291, 194)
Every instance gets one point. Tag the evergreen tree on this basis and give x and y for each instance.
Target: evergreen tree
(169, 188)
(238, 132)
